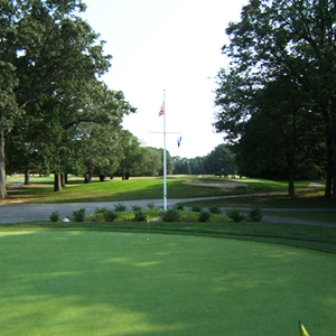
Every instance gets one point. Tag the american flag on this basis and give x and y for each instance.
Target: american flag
(162, 111)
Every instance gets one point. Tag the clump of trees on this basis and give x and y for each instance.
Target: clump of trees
(277, 99)
(56, 115)
(220, 161)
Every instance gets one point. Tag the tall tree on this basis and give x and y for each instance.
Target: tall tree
(294, 40)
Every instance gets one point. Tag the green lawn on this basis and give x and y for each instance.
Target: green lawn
(41, 190)
(80, 282)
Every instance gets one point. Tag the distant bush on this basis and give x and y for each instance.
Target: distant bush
(79, 215)
(255, 215)
(150, 205)
(178, 207)
(215, 210)
(139, 216)
(196, 208)
(235, 215)
(136, 208)
(120, 208)
(54, 217)
(204, 216)
(110, 215)
(171, 215)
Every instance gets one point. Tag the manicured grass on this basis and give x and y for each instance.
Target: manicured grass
(147, 188)
(309, 237)
(78, 282)
(302, 200)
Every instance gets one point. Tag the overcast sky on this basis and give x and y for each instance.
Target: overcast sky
(171, 45)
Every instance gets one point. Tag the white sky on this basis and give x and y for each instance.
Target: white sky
(166, 44)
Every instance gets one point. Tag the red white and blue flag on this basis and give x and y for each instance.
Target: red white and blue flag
(162, 111)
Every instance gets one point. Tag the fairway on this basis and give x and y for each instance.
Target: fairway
(104, 283)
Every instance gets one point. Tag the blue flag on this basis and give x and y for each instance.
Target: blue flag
(179, 141)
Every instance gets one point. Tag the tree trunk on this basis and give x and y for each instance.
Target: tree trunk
(57, 182)
(102, 178)
(3, 191)
(87, 177)
(63, 180)
(27, 177)
(291, 188)
(327, 192)
(66, 181)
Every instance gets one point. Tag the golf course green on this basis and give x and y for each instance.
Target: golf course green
(77, 282)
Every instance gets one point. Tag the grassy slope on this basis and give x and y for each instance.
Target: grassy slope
(41, 190)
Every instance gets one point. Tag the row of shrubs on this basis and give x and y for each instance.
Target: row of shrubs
(171, 215)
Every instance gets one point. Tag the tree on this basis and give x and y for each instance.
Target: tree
(130, 155)
(221, 161)
(57, 60)
(150, 163)
(277, 42)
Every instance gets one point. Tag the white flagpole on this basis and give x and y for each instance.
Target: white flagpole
(164, 155)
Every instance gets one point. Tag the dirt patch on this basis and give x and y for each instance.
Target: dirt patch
(216, 184)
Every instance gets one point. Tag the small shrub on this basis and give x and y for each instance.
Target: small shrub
(54, 217)
(204, 216)
(150, 205)
(235, 215)
(178, 207)
(190, 220)
(79, 215)
(139, 216)
(94, 220)
(215, 210)
(110, 215)
(171, 215)
(99, 211)
(196, 208)
(255, 215)
(120, 207)
(136, 208)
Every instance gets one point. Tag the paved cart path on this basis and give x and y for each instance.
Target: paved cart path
(16, 213)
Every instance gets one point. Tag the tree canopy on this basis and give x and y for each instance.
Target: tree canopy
(279, 91)
(51, 95)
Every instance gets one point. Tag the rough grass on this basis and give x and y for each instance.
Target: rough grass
(41, 191)
(75, 282)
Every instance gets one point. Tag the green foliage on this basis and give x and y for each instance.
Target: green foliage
(235, 215)
(54, 217)
(150, 205)
(215, 210)
(204, 216)
(255, 215)
(222, 157)
(120, 207)
(139, 216)
(171, 215)
(196, 208)
(179, 207)
(105, 214)
(136, 208)
(110, 215)
(79, 215)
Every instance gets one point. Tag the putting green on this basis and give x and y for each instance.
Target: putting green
(104, 283)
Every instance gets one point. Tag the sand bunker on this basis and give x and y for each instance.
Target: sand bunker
(216, 184)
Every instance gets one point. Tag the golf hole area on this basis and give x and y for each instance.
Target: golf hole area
(57, 282)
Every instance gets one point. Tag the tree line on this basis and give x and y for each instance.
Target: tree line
(56, 115)
(276, 101)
